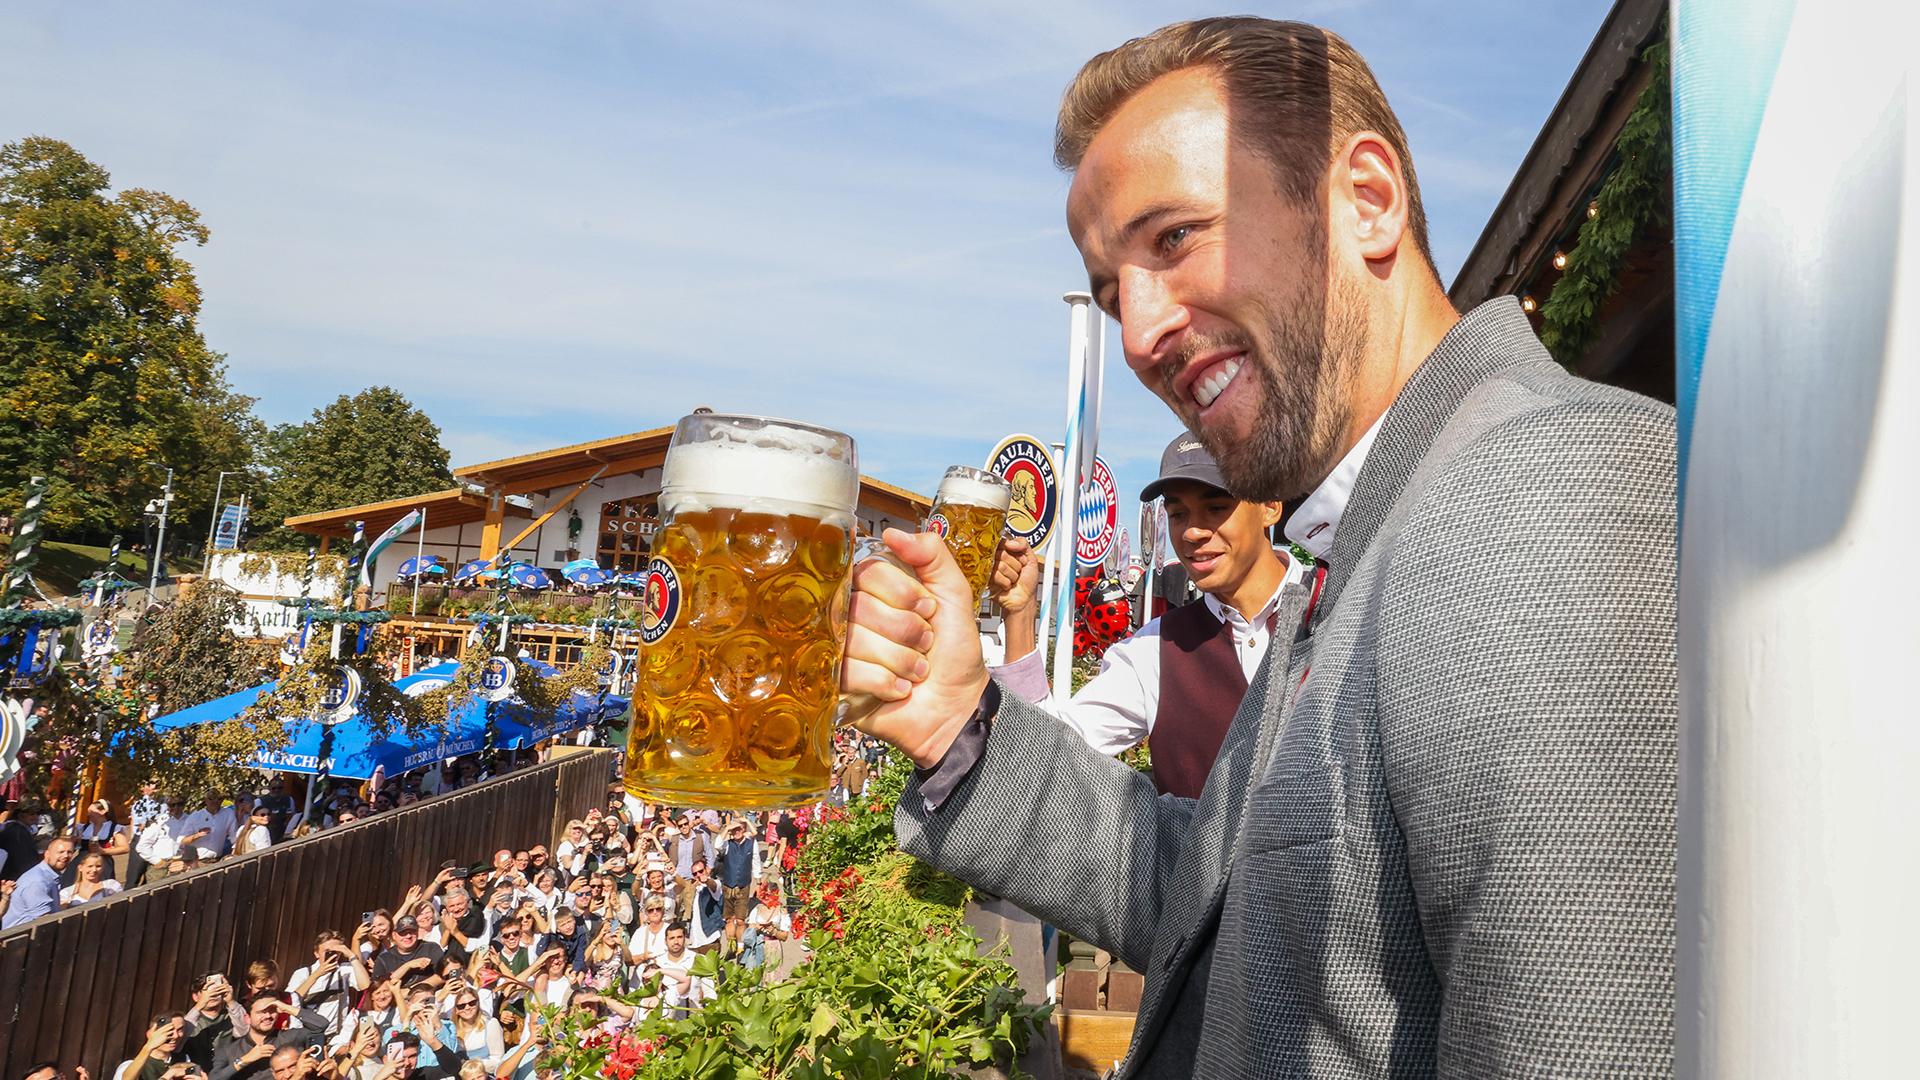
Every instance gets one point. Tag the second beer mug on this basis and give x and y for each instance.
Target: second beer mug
(744, 619)
(970, 512)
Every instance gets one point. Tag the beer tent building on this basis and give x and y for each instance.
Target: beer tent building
(603, 497)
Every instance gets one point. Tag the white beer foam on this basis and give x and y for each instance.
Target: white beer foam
(780, 464)
(962, 489)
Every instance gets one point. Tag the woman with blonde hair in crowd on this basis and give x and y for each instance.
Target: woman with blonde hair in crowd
(479, 1034)
(90, 881)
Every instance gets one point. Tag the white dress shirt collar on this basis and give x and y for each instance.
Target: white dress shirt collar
(1231, 616)
(1314, 524)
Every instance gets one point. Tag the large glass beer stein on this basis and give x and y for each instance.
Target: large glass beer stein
(970, 512)
(744, 619)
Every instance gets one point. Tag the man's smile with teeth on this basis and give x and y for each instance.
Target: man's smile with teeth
(1212, 382)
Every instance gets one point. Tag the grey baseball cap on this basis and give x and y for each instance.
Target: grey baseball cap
(1184, 459)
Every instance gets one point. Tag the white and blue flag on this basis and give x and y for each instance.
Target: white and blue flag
(1798, 290)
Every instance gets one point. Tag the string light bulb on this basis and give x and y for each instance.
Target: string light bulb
(1559, 260)
(1593, 209)
(1527, 302)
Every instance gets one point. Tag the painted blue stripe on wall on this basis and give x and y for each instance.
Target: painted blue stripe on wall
(1725, 53)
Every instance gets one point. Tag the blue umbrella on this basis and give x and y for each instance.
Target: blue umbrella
(580, 564)
(587, 575)
(417, 566)
(528, 576)
(476, 570)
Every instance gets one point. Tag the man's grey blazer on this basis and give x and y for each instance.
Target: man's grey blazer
(1439, 838)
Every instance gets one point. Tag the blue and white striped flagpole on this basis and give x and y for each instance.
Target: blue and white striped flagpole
(1067, 526)
(1797, 253)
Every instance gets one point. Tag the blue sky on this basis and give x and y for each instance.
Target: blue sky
(556, 222)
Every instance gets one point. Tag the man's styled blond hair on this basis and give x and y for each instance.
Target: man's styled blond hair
(1296, 94)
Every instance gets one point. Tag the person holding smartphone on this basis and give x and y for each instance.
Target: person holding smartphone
(164, 1054)
(336, 975)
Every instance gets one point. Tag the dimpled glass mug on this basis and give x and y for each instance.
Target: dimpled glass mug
(744, 618)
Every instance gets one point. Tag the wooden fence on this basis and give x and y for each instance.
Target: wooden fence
(78, 988)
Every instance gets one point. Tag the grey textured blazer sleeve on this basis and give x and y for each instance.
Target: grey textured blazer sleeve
(1042, 808)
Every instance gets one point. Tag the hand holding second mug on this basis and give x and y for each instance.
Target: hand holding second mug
(916, 646)
(1016, 578)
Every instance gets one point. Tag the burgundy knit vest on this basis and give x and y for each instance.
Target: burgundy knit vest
(1201, 685)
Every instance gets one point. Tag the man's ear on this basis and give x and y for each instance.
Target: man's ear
(1370, 198)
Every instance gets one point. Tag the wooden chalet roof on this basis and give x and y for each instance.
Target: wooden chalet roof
(561, 467)
(454, 506)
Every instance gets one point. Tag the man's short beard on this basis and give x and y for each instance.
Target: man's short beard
(1303, 384)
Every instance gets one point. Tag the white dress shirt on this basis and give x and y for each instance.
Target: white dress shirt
(1116, 710)
(160, 844)
(222, 825)
(1314, 524)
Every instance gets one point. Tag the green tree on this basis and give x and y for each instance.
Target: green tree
(102, 365)
(185, 653)
(370, 447)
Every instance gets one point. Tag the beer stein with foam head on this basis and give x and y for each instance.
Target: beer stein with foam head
(970, 512)
(744, 618)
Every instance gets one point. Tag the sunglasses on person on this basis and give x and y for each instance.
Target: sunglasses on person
(468, 1003)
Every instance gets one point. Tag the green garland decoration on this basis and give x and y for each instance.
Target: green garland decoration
(18, 618)
(362, 618)
(1634, 194)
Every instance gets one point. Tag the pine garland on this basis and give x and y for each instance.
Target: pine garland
(1636, 193)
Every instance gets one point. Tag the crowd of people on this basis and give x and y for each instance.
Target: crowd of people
(452, 979)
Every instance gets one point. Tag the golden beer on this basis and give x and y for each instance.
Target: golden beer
(970, 513)
(744, 620)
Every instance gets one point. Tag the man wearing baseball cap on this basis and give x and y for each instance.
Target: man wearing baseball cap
(1201, 656)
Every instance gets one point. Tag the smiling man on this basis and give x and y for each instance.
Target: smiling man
(1193, 663)
(1439, 838)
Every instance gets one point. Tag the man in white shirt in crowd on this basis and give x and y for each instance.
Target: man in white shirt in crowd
(1202, 655)
(217, 827)
(147, 809)
(332, 982)
(681, 990)
(168, 844)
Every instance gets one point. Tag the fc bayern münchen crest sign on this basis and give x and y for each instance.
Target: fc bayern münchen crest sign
(496, 679)
(1024, 463)
(341, 696)
(1099, 516)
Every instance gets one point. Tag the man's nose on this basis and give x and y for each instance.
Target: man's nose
(1151, 319)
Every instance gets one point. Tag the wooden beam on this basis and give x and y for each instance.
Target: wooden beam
(490, 529)
(549, 481)
(542, 519)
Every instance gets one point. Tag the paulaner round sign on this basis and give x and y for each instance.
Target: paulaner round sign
(1025, 464)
